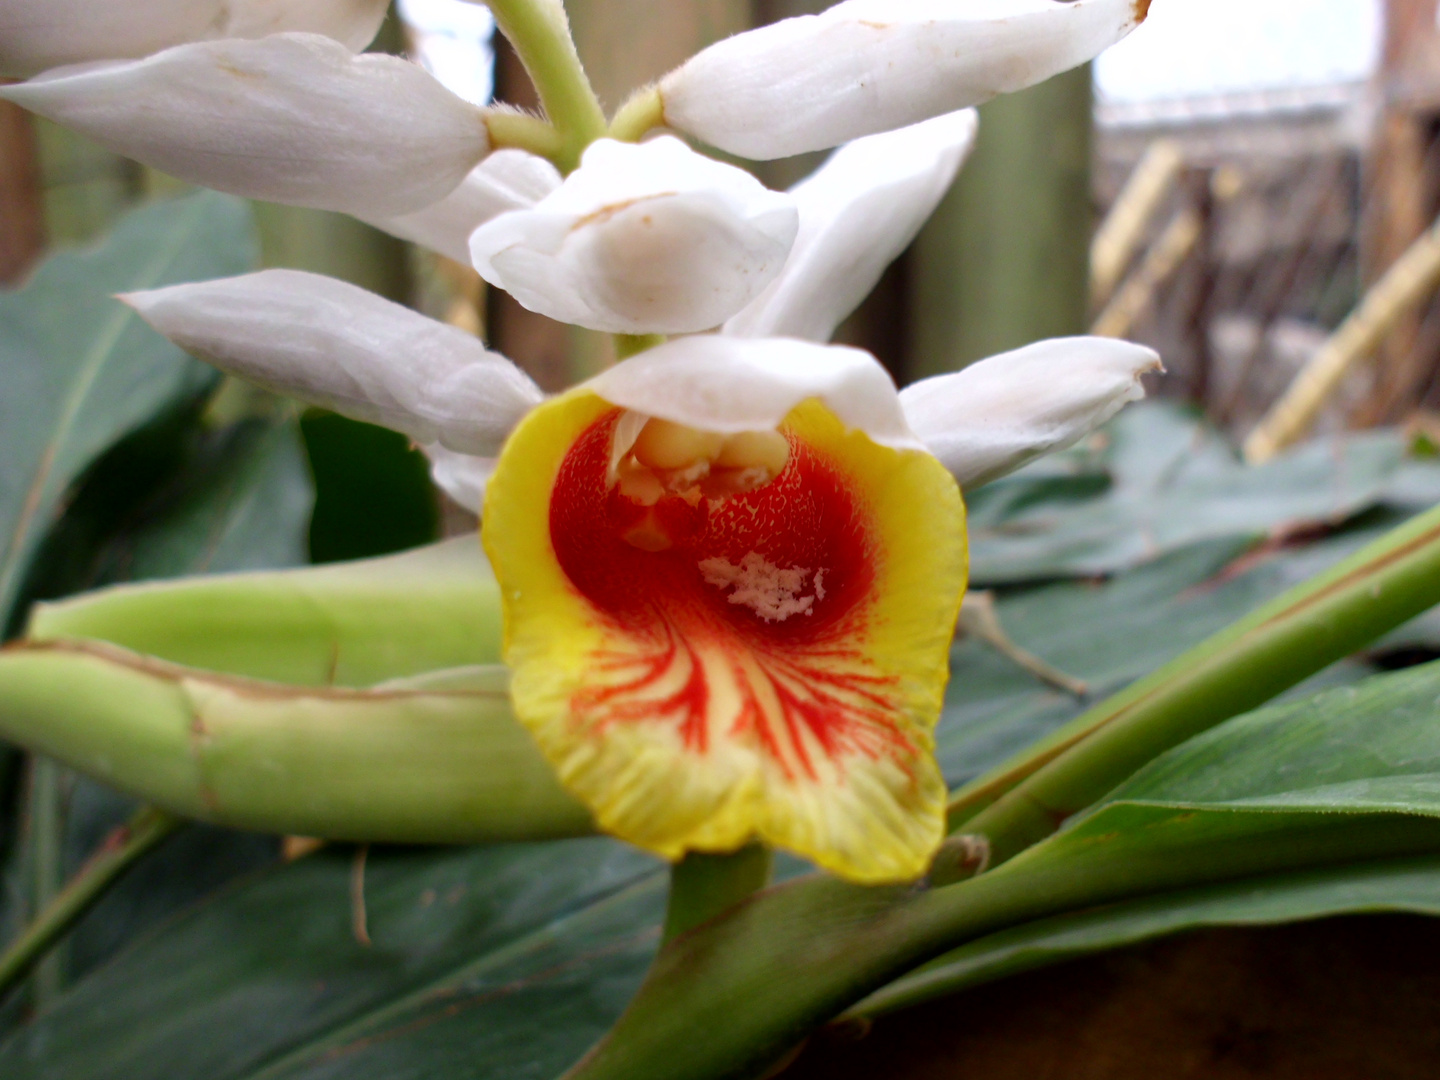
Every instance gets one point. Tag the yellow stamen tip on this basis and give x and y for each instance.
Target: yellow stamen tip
(752, 449)
(666, 445)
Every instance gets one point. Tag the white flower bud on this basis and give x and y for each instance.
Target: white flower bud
(39, 34)
(292, 118)
(866, 66)
(653, 238)
(1000, 413)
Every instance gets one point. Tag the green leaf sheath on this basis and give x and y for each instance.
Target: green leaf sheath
(348, 624)
(79, 370)
(443, 763)
(1384, 585)
(732, 996)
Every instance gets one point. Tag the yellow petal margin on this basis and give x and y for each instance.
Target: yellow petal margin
(689, 715)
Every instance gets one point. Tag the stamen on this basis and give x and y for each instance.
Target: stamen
(750, 449)
(666, 445)
(766, 589)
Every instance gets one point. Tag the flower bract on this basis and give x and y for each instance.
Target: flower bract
(649, 238)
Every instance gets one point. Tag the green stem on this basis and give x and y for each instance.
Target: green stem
(644, 111)
(519, 131)
(540, 33)
(628, 345)
(702, 886)
(144, 832)
(1286, 641)
(47, 873)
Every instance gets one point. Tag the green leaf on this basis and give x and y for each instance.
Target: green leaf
(78, 371)
(375, 494)
(1283, 789)
(1392, 885)
(242, 502)
(503, 961)
(1173, 482)
(347, 624)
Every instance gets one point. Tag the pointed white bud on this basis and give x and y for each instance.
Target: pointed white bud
(732, 385)
(997, 414)
(292, 118)
(339, 347)
(506, 180)
(39, 34)
(867, 66)
(858, 212)
(653, 238)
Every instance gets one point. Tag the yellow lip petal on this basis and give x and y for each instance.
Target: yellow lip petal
(724, 663)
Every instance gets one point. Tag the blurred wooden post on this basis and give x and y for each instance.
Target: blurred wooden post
(1005, 260)
(1401, 191)
(22, 208)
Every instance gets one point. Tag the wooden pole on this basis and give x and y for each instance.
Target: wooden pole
(1412, 279)
(1401, 196)
(1123, 230)
(1005, 260)
(22, 206)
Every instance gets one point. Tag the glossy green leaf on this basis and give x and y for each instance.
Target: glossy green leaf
(78, 370)
(1349, 774)
(375, 491)
(1158, 478)
(347, 624)
(1369, 887)
(241, 502)
(485, 962)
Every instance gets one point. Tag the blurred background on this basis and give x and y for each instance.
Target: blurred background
(1228, 185)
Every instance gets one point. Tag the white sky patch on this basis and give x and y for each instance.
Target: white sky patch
(452, 41)
(768, 590)
(1201, 48)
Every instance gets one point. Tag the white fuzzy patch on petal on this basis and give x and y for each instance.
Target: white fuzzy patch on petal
(858, 212)
(1000, 413)
(339, 347)
(866, 66)
(291, 118)
(649, 238)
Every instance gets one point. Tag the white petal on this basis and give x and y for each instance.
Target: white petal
(293, 118)
(461, 476)
(342, 348)
(1000, 413)
(39, 34)
(649, 238)
(866, 66)
(506, 180)
(729, 385)
(858, 212)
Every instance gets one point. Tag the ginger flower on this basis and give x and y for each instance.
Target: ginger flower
(731, 565)
(731, 575)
